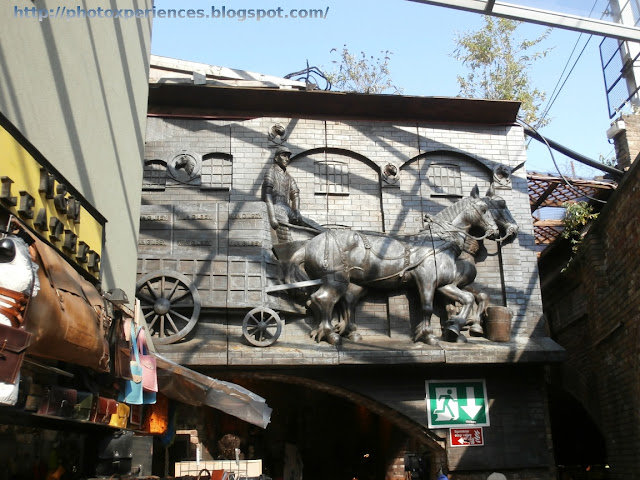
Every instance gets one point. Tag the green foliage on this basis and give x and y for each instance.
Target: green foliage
(576, 218)
(499, 66)
(362, 73)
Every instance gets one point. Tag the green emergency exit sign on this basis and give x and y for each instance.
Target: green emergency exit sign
(455, 403)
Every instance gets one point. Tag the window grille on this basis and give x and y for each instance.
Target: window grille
(154, 176)
(444, 180)
(216, 172)
(332, 178)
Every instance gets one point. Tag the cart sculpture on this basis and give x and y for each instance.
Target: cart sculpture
(327, 272)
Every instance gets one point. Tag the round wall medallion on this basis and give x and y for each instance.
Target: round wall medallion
(184, 167)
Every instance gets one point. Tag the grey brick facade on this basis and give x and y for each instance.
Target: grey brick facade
(220, 239)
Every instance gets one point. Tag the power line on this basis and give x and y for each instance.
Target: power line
(557, 90)
(569, 74)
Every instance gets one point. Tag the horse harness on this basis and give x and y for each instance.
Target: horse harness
(407, 264)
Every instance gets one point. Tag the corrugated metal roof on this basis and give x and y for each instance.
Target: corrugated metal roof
(173, 71)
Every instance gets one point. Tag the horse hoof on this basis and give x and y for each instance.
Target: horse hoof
(431, 340)
(333, 338)
(355, 337)
(476, 330)
(461, 339)
(450, 336)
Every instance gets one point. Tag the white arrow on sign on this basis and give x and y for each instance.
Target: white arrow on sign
(472, 408)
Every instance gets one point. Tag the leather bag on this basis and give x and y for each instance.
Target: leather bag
(82, 409)
(13, 345)
(136, 416)
(121, 417)
(115, 454)
(102, 409)
(67, 318)
(59, 402)
(132, 389)
(122, 355)
(148, 362)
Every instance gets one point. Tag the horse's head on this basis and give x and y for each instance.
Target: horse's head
(480, 218)
(508, 228)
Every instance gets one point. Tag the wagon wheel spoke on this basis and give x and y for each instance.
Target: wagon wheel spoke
(175, 329)
(147, 299)
(173, 290)
(153, 322)
(179, 315)
(176, 300)
(151, 290)
(161, 331)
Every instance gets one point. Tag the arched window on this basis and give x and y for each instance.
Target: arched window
(154, 176)
(216, 172)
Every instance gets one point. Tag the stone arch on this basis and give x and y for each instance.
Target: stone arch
(409, 432)
(339, 187)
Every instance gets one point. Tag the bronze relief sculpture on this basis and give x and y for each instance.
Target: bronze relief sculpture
(347, 263)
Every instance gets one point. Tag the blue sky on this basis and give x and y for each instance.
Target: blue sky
(421, 38)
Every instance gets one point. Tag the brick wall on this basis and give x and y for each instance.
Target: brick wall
(518, 438)
(627, 143)
(594, 312)
(365, 148)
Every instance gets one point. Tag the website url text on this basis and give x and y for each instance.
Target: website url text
(239, 14)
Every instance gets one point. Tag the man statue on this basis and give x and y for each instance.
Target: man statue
(282, 195)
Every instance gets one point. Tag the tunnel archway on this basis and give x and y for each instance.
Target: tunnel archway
(338, 433)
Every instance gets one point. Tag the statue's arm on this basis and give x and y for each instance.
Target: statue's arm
(267, 197)
(295, 201)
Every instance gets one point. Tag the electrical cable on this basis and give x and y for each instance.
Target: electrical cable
(552, 99)
(546, 109)
(566, 181)
(569, 74)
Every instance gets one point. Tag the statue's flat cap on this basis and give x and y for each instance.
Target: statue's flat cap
(280, 150)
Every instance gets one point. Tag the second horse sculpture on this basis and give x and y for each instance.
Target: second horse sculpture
(349, 262)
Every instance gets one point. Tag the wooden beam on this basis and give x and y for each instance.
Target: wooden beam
(552, 186)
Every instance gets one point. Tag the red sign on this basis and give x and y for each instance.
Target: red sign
(466, 437)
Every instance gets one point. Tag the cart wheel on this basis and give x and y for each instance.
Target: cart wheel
(262, 327)
(170, 303)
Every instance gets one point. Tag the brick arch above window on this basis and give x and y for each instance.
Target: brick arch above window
(154, 175)
(216, 172)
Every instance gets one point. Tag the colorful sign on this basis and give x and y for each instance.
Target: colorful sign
(466, 437)
(457, 403)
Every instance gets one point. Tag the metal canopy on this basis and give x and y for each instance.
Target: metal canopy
(542, 17)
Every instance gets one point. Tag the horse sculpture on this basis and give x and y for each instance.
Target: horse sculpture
(466, 266)
(349, 262)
